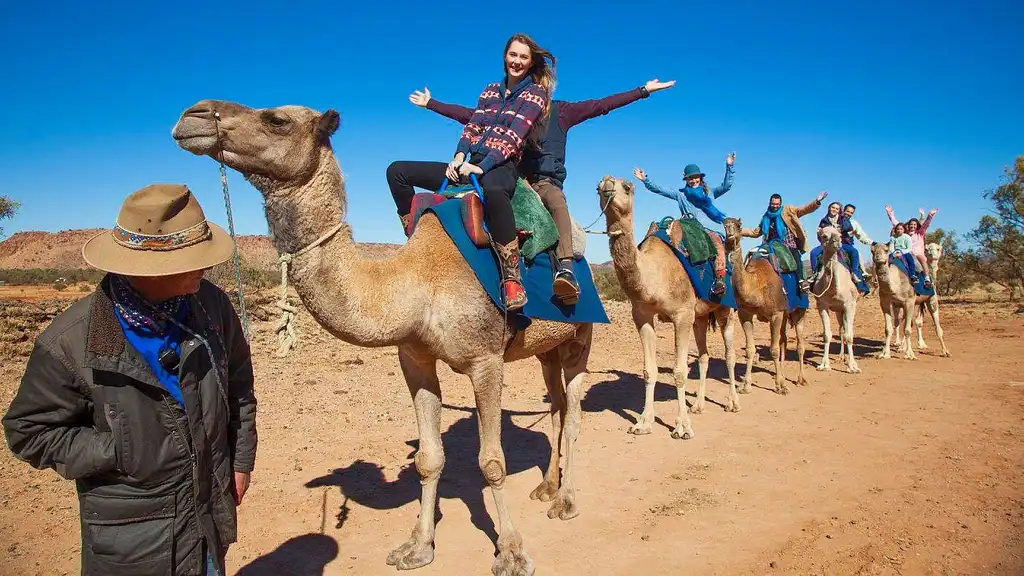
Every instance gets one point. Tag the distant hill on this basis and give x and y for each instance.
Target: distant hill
(63, 250)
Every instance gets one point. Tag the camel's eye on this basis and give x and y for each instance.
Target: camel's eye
(275, 120)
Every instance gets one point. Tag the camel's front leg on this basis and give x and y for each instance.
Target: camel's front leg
(487, 375)
(421, 377)
(700, 335)
(727, 325)
(649, 343)
(887, 313)
(826, 324)
(551, 368)
(777, 321)
(933, 309)
(798, 318)
(908, 319)
(680, 372)
(849, 317)
(747, 322)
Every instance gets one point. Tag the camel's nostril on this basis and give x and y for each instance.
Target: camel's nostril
(201, 111)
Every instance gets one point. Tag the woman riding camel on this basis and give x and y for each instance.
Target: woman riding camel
(491, 146)
(837, 219)
(696, 192)
(917, 229)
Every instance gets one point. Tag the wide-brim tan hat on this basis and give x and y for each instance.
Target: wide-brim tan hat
(161, 230)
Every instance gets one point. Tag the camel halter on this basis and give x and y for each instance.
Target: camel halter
(604, 207)
(285, 326)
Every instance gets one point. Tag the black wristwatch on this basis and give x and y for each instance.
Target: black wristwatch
(644, 92)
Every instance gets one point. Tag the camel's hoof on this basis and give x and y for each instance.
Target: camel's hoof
(682, 435)
(733, 407)
(544, 492)
(883, 356)
(640, 429)
(411, 555)
(563, 508)
(782, 390)
(854, 369)
(512, 563)
(696, 409)
(946, 354)
(745, 389)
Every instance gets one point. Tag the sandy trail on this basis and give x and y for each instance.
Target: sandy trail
(907, 468)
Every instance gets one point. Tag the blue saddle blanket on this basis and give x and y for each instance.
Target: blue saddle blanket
(790, 280)
(862, 284)
(542, 304)
(702, 275)
(917, 282)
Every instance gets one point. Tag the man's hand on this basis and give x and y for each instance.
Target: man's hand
(466, 169)
(822, 196)
(653, 85)
(640, 174)
(730, 158)
(420, 98)
(933, 211)
(241, 486)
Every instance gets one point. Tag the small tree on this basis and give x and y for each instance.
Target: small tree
(8, 208)
(953, 276)
(999, 237)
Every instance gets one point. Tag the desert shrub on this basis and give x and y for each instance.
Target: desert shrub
(608, 285)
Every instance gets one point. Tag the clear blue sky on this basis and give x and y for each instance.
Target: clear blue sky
(911, 103)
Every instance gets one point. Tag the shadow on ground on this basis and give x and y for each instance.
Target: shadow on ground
(364, 482)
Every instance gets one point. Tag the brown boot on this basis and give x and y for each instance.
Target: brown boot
(406, 218)
(513, 292)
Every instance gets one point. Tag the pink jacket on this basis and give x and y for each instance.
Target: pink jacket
(917, 238)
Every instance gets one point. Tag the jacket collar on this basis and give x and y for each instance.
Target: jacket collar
(515, 90)
(106, 346)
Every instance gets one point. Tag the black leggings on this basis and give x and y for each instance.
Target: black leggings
(499, 185)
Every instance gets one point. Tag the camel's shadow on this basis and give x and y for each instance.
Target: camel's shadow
(364, 483)
(306, 554)
(625, 393)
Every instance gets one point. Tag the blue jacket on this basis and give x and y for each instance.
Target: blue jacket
(696, 196)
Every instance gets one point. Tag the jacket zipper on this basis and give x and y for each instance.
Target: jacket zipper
(195, 474)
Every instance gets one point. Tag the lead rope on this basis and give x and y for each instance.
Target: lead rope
(231, 230)
(603, 208)
(285, 327)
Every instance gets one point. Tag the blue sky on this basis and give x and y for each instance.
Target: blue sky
(910, 103)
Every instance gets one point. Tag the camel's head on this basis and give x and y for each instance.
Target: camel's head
(933, 251)
(282, 144)
(616, 196)
(880, 253)
(830, 238)
(732, 227)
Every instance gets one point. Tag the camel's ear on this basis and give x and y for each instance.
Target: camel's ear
(328, 124)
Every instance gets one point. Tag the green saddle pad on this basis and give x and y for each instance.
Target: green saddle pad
(783, 257)
(696, 240)
(533, 217)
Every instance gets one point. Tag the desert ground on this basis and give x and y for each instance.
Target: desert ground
(911, 467)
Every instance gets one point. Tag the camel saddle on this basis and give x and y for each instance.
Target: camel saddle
(688, 236)
(535, 228)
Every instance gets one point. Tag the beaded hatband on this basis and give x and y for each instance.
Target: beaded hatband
(173, 241)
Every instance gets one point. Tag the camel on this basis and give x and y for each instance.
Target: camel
(659, 288)
(933, 253)
(896, 296)
(759, 293)
(425, 300)
(835, 291)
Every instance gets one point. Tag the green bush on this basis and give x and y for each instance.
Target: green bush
(608, 286)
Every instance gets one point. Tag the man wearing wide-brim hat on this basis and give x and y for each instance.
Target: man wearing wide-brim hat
(142, 392)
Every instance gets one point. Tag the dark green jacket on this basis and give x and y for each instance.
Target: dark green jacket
(155, 482)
